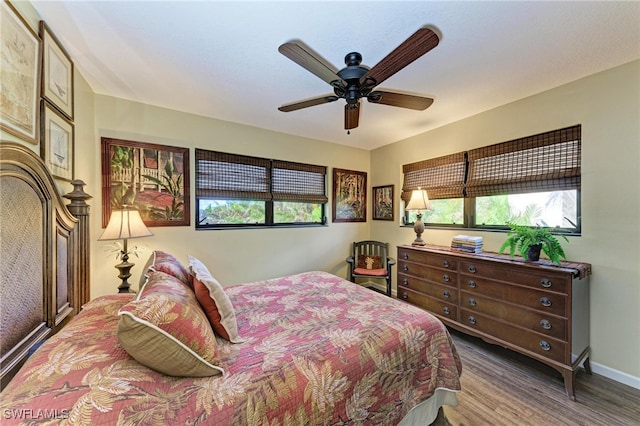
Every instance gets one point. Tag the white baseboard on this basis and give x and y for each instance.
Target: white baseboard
(618, 376)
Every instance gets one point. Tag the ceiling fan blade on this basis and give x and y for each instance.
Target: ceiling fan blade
(351, 116)
(402, 100)
(308, 103)
(414, 47)
(304, 56)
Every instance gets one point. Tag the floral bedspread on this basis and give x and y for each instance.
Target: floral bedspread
(319, 350)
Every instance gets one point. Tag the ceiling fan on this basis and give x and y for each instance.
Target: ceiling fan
(357, 81)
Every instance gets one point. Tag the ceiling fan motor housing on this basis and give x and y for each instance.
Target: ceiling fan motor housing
(351, 75)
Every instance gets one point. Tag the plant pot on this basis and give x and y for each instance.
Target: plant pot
(533, 254)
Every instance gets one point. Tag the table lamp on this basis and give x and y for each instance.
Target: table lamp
(123, 225)
(419, 201)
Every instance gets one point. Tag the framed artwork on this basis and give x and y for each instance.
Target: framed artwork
(383, 202)
(56, 144)
(19, 75)
(57, 72)
(150, 177)
(349, 196)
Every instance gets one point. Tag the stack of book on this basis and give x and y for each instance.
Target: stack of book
(466, 244)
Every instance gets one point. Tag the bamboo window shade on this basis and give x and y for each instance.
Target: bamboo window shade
(545, 162)
(442, 177)
(230, 176)
(298, 182)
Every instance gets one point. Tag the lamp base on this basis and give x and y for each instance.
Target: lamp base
(418, 242)
(124, 267)
(418, 228)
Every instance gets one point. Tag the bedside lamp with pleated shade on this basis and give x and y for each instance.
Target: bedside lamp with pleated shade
(125, 224)
(419, 201)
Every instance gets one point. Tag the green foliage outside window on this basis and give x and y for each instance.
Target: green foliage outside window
(231, 212)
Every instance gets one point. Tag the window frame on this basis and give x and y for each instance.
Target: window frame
(271, 188)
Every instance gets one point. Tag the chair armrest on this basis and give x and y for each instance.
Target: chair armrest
(391, 261)
(350, 260)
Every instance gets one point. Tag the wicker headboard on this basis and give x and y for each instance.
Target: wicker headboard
(44, 255)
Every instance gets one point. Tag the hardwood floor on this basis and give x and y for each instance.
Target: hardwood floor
(501, 387)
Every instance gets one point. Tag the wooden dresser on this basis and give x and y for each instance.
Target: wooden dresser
(536, 308)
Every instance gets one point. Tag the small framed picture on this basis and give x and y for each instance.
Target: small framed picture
(349, 196)
(57, 75)
(56, 144)
(20, 72)
(383, 202)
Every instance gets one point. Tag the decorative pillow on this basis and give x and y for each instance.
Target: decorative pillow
(165, 329)
(214, 301)
(164, 262)
(369, 262)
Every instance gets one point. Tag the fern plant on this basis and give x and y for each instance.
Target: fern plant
(521, 238)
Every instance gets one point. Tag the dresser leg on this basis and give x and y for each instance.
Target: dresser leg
(587, 366)
(568, 383)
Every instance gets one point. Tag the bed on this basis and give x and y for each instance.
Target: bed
(309, 348)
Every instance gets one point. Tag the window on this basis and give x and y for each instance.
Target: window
(533, 181)
(241, 191)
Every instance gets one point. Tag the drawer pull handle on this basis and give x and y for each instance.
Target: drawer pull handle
(446, 310)
(445, 263)
(405, 296)
(545, 282)
(546, 346)
(446, 294)
(545, 324)
(472, 302)
(472, 320)
(545, 302)
(405, 281)
(446, 278)
(405, 268)
(472, 269)
(405, 256)
(472, 284)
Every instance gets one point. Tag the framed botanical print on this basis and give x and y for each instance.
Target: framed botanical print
(57, 72)
(349, 196)
(383, 202)
(19, 75)
(56, 144)
(152, 178)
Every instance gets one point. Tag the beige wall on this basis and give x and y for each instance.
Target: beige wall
(238, 255)
(608, 107)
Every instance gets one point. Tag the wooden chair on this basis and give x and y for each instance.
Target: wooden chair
(370, 259)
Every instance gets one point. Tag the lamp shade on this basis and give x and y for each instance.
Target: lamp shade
(125, 224)
(419, 200)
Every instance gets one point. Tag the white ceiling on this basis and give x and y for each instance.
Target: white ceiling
(220, 59)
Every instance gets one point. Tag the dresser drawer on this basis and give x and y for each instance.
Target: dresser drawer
(442, 276)
(549, 325)
(438, 260)
(442, 292)
(444, 309)
(539, 279)
(543, 301)
(528, 340)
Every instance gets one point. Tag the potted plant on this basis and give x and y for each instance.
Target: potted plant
(529, 241)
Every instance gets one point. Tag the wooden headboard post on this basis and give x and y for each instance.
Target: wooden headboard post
(44, 255)
(80, 209)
